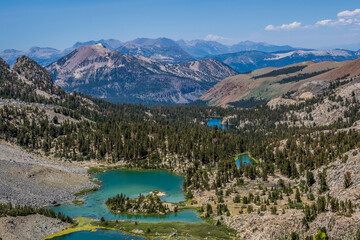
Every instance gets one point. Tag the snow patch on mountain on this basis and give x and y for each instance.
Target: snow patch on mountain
(317, 53)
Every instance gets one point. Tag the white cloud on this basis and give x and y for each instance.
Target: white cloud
(344, 18)
(325, 22)
(289, 26)
(349, 14)
(211, 37)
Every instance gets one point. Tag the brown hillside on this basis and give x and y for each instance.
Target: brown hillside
(268, 83)
(350, 69)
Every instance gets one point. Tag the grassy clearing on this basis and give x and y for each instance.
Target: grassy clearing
(83, 224)
(85, 191)
(186, 230)
(96, 181)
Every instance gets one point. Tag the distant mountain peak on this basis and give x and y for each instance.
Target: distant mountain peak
(100, 45)
(105, 73)
(21, 61)
(162, 41)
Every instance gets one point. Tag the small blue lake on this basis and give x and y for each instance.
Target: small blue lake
(243, 159)
(99, 234)
(215, 122)
(132, 183)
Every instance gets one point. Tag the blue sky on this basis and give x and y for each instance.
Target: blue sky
(59, 24)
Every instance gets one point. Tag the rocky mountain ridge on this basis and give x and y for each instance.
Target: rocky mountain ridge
(107, 74)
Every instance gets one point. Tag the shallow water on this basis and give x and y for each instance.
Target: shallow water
(215, 122)
(243, 159)
(132, 183)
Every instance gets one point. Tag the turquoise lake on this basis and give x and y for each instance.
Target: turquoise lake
(132, 183)
(243, 159)
(215, 122)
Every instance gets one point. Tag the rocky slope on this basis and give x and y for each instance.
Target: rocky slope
(335, 105)
(38, 181)
(31, 227)
(107, 74)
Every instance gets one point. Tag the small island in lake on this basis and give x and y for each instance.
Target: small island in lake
(149, 204)
(158, 193)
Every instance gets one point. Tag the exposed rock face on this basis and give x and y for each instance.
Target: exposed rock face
(272, 227)
(335, 177)
(327, 111)
(253, 226)
(32, 71)
(103, 73)
(35, 76)
(31, 227)
(338, 227)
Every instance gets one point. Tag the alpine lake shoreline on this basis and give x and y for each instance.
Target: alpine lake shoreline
(208, 228)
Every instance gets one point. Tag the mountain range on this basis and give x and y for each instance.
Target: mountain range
(162, 49)
(250, 60)
(45, 55)
(108, 74)
(244, 56)
(203, 48)
(163, 71)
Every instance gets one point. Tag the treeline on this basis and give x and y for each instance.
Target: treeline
(17, 210)
(282, 71)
